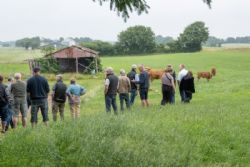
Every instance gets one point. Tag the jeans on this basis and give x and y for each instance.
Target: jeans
(167, 95)
(6, 114)
(185, 96)
(41, 104)
(110, 100)
(124, 97)
(133, 94)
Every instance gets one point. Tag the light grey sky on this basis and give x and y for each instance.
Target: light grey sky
(80, 18)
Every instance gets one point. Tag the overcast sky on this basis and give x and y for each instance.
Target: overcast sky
(81, 18)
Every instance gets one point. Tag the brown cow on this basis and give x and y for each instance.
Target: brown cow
(154, 73)
(207, 75)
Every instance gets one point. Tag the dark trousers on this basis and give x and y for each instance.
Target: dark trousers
(186, 96)
(110, 100)
(133, 94)
(124, 97)
(167, 95)
(41, 104)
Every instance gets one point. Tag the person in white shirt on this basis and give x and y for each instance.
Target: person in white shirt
(182, 73)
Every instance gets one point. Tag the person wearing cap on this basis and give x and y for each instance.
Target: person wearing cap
(38, 90)
(168, 86)
(131, 75)
(74, 91)
(110, 90)
(143, 86)
(58, 98)
(123, 89)
(18, 89)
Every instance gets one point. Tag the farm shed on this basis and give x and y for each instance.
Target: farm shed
(72, 59)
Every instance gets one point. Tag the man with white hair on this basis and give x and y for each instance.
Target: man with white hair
(110, 90)
(131, 75)
(182, 73)
(18, 90)
(123, 89)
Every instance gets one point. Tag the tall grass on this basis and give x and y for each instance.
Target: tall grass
(211, 131)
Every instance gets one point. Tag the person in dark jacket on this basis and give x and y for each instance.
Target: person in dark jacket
(110, 90)
(143, 86)
(133, 92)
(187, 85)
(5, 113)
(58, 98)
(38, 89)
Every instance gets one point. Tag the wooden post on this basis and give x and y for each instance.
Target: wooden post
(77, 65)
(96, 65)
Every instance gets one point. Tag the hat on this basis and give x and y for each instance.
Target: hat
(134, 66)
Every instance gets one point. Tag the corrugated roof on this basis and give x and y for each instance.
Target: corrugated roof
(74, 52)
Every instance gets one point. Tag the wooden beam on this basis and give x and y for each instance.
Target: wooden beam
(96, 65)
(77, 65)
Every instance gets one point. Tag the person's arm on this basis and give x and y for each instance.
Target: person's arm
(129, 84)
(142, 79)
(106, 86)
(173, 84)
(53, 91)
(47, 87)
(28, 88)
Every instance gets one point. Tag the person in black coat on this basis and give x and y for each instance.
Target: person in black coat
(187, 85)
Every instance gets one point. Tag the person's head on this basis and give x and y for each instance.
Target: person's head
(182, 66)
(134, 67)
(1, 79)
(72, 81)
(123, 72)
(59, 78)
(190, 73)
(169, 69)
(36, 71)
(141, 67)
(10, 80)
(109, 71)
(18, 76)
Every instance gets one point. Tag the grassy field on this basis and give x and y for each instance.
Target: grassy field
(214, 130)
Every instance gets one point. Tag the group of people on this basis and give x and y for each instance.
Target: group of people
(18, 96)
(128, 85)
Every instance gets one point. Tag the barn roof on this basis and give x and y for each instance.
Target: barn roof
(73, 52)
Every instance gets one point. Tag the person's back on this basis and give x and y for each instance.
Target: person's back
(3, 96)
(19, 89)
(144, 80)
(38, 87)
(124, 84)
(60, 92)
(131, 75)
(113, 83)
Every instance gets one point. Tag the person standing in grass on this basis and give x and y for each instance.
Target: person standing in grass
(187, 85)
(74, 93)
(143, 86)
(182, 73)
(4, 106)
(110, 90)
(38, 90)
(173, 74)
(58, 98)
(168, 87)
(133, 92)
(18, 89)
(123, 89)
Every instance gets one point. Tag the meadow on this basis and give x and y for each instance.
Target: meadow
(213, 130)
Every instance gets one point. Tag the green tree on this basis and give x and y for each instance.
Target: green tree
(33, 43)
(136, 40)
(191, 39)
(47, 49)
(125, 7)
(104, 48)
